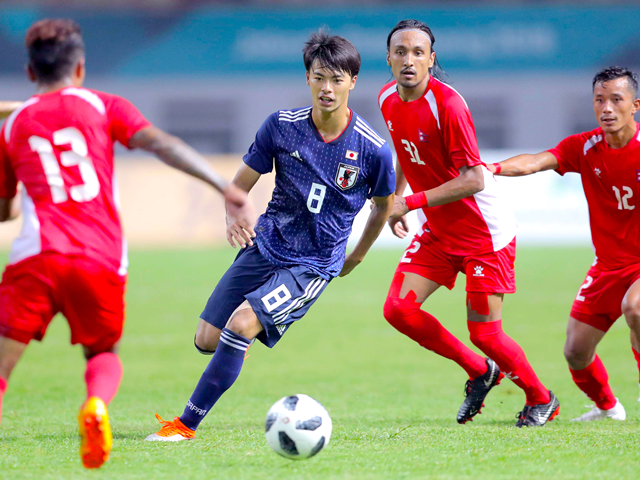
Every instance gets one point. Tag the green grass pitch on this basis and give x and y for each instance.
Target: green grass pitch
(393, 403)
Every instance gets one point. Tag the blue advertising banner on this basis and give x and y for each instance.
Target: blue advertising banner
(244, 41)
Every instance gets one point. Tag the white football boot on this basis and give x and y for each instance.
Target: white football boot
(615, 413)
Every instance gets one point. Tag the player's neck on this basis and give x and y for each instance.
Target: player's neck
(409, 94)
(330, 125)
(52, 87)
(623, 136)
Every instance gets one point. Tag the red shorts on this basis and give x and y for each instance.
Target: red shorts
(491, 272)
(599, 299)
(89, 294)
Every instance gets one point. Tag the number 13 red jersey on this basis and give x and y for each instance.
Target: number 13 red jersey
(60, 146)
(611, 182)
(434, 137)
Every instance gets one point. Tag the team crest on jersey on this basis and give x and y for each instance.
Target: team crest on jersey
(346, 176)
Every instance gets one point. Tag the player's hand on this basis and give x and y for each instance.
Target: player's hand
(240, 217)
(349, 264)
(399, 226)
(400, 208)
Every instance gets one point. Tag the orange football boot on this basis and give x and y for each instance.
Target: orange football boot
(95, 433)
(174, 431)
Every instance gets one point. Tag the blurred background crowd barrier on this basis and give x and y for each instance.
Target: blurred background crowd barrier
(211, 72)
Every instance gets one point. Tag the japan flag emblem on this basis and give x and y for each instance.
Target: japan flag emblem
(346, 176)
(351, 155)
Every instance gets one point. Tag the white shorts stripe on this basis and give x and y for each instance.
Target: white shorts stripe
(312, 294)
(298, 299)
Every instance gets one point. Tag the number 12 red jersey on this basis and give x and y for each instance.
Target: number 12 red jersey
(611, 182)
(434, 137)
(60, 146)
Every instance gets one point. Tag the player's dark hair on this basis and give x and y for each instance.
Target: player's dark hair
(611, 73)
(411, 24)
(54, 47)
(333, 52)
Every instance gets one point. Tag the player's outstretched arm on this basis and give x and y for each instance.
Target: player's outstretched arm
(377, 218)
(7, 107)
(524, 164)
(239, 230)
(177, 154)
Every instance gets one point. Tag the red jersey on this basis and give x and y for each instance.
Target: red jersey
(434, 137)
(60, 146)
(611, 182)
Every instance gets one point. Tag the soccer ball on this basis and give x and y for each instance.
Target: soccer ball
(297, 427)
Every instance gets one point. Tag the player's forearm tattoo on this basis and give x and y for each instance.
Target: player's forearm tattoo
(177, 154)
(187, 160)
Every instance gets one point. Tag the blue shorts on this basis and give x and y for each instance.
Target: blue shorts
(278, 295)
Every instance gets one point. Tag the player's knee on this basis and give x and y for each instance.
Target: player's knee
(477, 339)
(245, 323)
(577, 356)
(631, 311)
(398, 311)
(205, 348)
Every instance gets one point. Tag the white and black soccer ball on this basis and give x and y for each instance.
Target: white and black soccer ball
(297, 427)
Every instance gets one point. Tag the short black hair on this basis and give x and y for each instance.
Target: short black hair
(611, 73)
(333, 52)
(411, 24)
(54, 47)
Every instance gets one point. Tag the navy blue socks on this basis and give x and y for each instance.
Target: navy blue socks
(220, 374)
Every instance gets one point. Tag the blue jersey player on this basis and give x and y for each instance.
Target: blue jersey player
(328, 162)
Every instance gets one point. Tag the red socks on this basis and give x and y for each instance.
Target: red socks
(406, 316)
(103, 376)
(502, 349)
(637, 356)
(3, 388)
(594, 382)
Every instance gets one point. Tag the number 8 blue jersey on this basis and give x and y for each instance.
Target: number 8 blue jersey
(320, 187)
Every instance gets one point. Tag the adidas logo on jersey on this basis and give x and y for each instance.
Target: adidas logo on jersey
(389, 125)
(478, 271)
(296, 155)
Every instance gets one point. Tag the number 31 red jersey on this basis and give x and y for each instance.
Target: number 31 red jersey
(60, 146)
(434, 137)
(611, 182)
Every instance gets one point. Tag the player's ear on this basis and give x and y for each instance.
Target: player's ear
(31, 75)
(80, 72)
(388, 58)
(353, 82)
(308, 82)
(432, 59)
(636, 105)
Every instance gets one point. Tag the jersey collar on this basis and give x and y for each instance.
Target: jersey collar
(345, 133)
